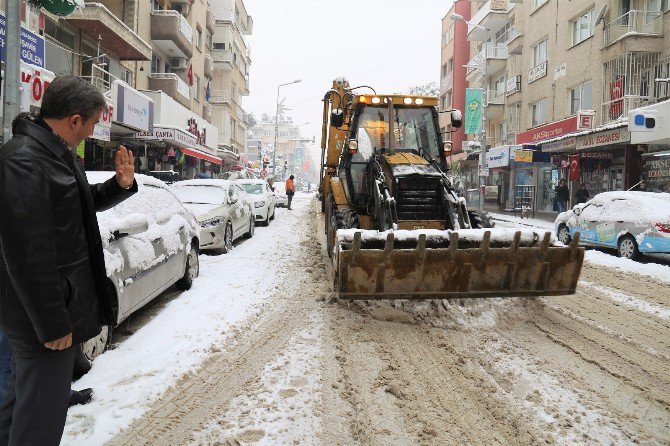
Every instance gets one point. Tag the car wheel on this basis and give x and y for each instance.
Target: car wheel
(266, 222)
(627, 248)
(272, 217)
(564, 235)
(228, 239)
(252, 227)
(191, 272)
(87, 351)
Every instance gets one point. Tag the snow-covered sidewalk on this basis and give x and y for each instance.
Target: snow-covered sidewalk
(593, 256)
(230, 289)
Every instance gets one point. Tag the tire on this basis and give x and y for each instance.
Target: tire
(191, 271)
(252, 227)
(228, 239)
(627, 248)
(86, 352)
(564, 235)
(272, 217)
(266, 222)
(480, 219)
(341, 219)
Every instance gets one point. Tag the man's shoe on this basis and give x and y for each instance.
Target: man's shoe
(83, 396)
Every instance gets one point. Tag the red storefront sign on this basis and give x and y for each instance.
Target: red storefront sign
(616, 92)
(574, 167)
(547, 131)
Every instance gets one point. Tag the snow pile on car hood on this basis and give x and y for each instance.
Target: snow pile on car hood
(634, 207)
(164, 223)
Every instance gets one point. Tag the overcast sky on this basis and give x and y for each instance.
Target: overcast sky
(390, 45)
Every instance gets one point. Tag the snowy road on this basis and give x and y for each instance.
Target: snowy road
(254, 354)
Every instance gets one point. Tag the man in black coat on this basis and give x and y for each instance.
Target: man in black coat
(53, 284)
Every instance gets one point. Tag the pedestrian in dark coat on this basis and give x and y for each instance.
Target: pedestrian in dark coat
(582, 194)
(53, 284)
(562, 196)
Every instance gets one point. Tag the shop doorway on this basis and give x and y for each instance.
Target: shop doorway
(616, 178)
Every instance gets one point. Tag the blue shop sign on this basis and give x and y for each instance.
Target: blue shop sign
(32, 45)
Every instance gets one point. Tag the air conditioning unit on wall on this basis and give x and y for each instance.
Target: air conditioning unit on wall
(178, 63)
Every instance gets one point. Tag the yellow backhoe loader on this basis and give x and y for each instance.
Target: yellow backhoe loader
(395, 226)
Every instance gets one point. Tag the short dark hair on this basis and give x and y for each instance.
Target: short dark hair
(71, 95)
(291, 177)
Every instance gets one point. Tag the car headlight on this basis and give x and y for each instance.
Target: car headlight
(210, 222)
(259, 204)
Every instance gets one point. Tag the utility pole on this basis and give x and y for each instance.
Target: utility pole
(12, 75)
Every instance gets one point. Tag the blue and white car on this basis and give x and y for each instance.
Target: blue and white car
(631, 222)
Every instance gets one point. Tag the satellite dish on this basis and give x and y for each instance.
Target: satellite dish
(601, 14)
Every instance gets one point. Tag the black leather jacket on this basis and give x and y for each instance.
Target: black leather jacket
(52, 270)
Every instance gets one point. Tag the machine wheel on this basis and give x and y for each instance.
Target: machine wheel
(228, 237)
(252, 228)
(87, 351)
(339, 219)
(191, 272)
(627, 248)
(564, 235)
(480, 219)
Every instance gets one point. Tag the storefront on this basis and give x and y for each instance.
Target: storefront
(602, 161)
(649, 126)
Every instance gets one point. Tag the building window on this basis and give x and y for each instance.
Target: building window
(443, 102)
(155, 64)
(539, 113)
(450, 64)
(540, 53)
(219, 45)
(583, 27)
(444, 70)
(502, 35)
(449, 96)
(156, 5)
(198, 38)
(208, 37)
(266, 132)
(196, 87)
(581, 98)
(539, 3)
(499, 86)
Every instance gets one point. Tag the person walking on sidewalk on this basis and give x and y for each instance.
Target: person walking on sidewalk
(52, 268)
(290, 190)
(562, 196)
(582, 194)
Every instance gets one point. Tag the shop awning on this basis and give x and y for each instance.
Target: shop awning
(202, 155)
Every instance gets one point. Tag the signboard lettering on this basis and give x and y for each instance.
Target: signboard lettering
(616, 136)
(548, 131)
(32, 45)
(560, 71)
(537, 72)
(523, 156)
(658, 169)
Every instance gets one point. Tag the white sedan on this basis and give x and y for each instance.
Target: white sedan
(281, 199)
(150, 242)
(630, 222)
(263, 198)
(222, 210)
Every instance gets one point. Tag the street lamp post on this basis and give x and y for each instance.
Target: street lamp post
(482, 134)
(274, 150)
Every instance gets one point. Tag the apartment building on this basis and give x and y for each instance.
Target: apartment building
(231, 60)
(560, 78)
(152, 60)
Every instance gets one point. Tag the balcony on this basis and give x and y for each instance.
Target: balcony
(514, 41)
(96, 21)
(632, 32)
(244, 88)
(493, 15)
(495, 108)
(207, 112)
(492, 57)
(223, 59)
(220, 97)
(447, 83)
(210, 21)
(171, 33)
(209, 66)
(244, 24)
(172, 85)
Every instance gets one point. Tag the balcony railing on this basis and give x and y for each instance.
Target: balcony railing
(512, 34)
(101, 78)
(222, 56)
(633, 23)
(489, 51)
(618, 109)
(182, 87)
(220, 97)
(447, 82)
(184, 26)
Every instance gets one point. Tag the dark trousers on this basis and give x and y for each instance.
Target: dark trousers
(290, 197)
(37, 399)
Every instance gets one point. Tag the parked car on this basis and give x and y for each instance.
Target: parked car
(150, 242)
(263, 198)
(630, 222)
(281, 200)
(222, 209)
(167, 176)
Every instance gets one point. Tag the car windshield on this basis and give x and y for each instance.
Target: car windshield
(255, 189)
(200, 194)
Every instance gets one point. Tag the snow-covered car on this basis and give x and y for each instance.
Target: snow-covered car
(630, 222)
(150, 242)
(222, 210)
(281, 199)
(263, 198)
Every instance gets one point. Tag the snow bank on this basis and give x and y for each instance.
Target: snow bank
(660, 272)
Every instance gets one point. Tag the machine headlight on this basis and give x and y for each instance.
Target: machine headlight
(210, 222)
(259, 204)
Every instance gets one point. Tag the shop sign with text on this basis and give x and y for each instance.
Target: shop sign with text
(548, 131)
(523, 156)
(133, 109)
(616, 136)
(537, 72)
(498, 157)
(658, 169)
(102, 130)
(559, 146)
(32, 45)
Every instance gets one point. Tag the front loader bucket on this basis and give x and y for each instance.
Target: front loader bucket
(452, 264)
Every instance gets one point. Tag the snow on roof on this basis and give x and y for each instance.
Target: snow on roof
(611, 126)
(632, 206)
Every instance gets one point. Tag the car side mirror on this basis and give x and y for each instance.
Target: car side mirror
(577, 210)
(133, 228)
